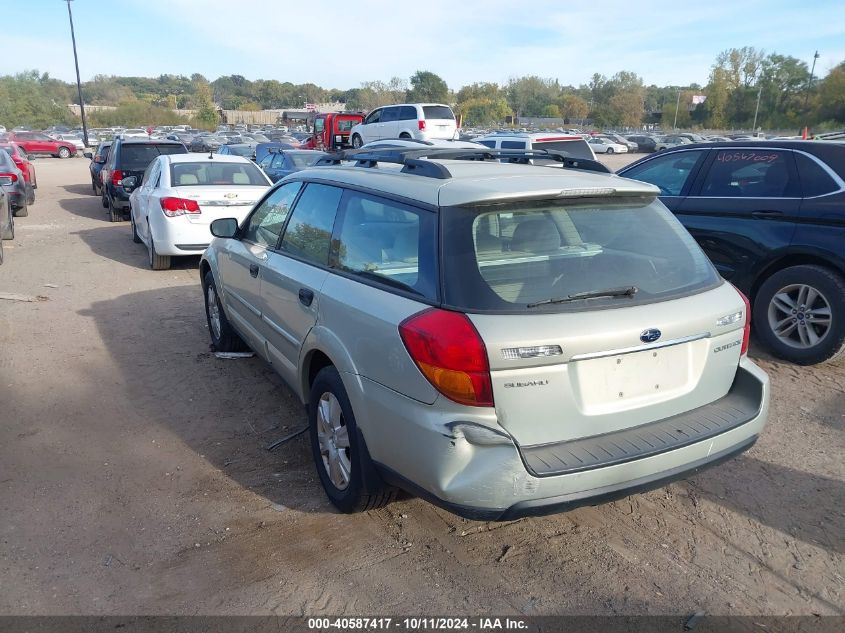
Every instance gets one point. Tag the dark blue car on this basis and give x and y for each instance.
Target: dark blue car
(771, 217)
(98, 159)
(282, 162)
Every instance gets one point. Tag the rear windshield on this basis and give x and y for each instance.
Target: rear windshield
(438, 112)
(242, 150)
(505, 257)
(577, 148)
(305, 160)
(138, 157)
(215, 173)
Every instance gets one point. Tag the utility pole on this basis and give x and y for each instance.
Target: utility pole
(757, 109)
(677, 106)
(78, 82)
(810, 81)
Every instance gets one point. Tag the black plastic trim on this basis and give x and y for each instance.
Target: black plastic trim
(191, 247)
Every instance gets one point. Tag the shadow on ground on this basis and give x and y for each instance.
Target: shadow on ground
(115, 242)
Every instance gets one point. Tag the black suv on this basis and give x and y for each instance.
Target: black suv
(771, 217)
(130, 157)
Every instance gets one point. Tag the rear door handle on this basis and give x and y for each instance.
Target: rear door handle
(253, 270)
(767, 214)
(306, 296)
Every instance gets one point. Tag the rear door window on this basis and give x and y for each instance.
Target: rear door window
(309, 231)
(669, 172)
(389, 114)
(388, 242)
(815, 180)
(137, 157)
(407, 113)
(749, 173)
(438, 112)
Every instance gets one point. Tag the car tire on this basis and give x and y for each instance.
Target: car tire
(223, 335)
(21, 212)
(816, 332)
(609, 150)
(94, 187)
(30, 194)
(115, 215)
(157, 262)
(104, 200)
(135, 237)
(64, 152)
(404, 135)
(338, 447)
(357, 142)
(8, 232)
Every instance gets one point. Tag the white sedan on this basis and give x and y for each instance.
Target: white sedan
(606, 146)
(181, 194)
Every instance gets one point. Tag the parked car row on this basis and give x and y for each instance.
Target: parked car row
(17, 188)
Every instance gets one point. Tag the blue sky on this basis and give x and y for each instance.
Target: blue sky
(341, 44)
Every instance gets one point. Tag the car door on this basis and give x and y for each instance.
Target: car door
(388, 127)
(243, 260)
(673, 173)
(370, 129)
(290, 290)
(147, 199)
(743, 208)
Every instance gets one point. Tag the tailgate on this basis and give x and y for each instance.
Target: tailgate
(596, 375)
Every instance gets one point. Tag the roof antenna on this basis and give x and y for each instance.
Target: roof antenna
(211, 154)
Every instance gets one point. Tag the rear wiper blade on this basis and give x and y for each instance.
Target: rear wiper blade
(626, 291)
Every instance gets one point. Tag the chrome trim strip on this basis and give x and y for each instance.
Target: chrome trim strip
(282, 332)
(640, 348)
(246, 303)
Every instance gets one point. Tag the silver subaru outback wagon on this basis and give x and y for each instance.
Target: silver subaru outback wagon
(500, 339)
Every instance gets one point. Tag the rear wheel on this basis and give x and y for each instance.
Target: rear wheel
(343, 462)
(356, 141)
(30, 194)
(7, 228)
(64, 152)
(21, 212)
(223, 335)
(115, 215)
(799, 313)
(104, 200)
(157, 262)
(404, 135)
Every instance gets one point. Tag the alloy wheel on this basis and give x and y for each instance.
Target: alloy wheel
(333, 438)
(799, 316)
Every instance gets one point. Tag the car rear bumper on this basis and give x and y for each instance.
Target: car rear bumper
(486, 479)
(179, 236)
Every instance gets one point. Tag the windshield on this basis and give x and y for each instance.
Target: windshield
(216, 173)
(511, 256)
(137, 157)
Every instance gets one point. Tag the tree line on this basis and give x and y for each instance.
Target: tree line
(742, 82)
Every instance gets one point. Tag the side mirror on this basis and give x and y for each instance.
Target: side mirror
(129, 183)
(100, 160)
(88, 155)
(224, 227)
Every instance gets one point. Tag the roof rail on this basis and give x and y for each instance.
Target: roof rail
(414, 159)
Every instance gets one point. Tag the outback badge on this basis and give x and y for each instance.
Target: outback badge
(650, 335)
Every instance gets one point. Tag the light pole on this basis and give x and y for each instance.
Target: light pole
(78, 82)
(757, 109)
(810, 81)
(677, 106)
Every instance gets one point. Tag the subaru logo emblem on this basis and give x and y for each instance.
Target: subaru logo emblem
(650, 335)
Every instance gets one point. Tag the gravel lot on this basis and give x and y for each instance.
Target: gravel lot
(134, 477)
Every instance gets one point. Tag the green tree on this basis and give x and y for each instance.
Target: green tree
(206, 114)
(551, 111)
(484, 111)
(573, 107)
(831, 96)
(718, 93)
(427, 87)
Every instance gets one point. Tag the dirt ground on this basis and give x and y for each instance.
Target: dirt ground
(134, 477)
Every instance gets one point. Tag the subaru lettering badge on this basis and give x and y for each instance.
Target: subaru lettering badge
(650, 335)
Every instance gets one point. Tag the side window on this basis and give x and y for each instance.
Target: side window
(513, 144)
(278, 161)
(309, 231)
(390, 114)
(265, 223)
(373, 117)
(319, 125)
(407, 113)
(389, 240)
(265, 162)
(815, 181)
(669, 172)
(149, 173)
(490, 144)
(748, 173)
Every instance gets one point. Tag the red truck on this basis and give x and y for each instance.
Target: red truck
(331, 131)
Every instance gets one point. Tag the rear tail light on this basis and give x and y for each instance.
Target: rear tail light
(8, 177)
(179, 206)
(451, 355)
(421, 125)
(746, 332)
(116, 177)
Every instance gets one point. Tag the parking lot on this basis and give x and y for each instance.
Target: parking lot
(135, 476)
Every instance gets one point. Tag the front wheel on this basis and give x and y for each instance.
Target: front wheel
(223, 335)
(357, 142)
(343, 463)
(64, 152)
(609, 150)
(799, 313)
(22, 212)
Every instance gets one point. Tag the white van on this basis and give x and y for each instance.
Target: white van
(572, 145)
(421, 121)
